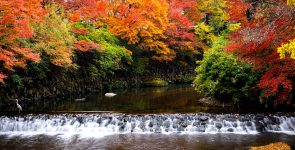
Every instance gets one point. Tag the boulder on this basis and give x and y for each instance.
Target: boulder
(203, 118)
(218, 125)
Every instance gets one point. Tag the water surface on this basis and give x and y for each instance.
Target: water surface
(173, 99)
(144, 142)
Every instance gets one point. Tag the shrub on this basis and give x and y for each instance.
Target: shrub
(184, 79)
(223, 76)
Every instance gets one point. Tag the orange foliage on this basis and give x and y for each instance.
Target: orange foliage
(15, 19)
(143, 23)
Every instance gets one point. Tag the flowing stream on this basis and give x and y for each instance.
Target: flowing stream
(145, 125)
(92, 125)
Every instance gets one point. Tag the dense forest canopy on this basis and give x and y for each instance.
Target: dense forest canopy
(100, 37)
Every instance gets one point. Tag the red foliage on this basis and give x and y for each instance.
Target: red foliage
(84, 46)
(15, 19)
(80, 31)
(181, 15)
(86, 10)
(257, 41)
(2, 76)
(237, 10)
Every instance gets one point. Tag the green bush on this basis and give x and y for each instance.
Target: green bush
(117, 84)
(223, 76)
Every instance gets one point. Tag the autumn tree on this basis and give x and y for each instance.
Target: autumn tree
(288, 48)
(183, 14)
(215, 22)
(238, 10)
(54, 38)
(87, 11)
(142, 23)
(105, 54)
(16, 17)
(257, 42)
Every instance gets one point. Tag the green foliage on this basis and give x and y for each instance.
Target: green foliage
(16, 81)
(117, 84)
(221, 75)
(183, 79)
(110, 55)
(205, 33)
(138, 65)
(216, 15)
(93, 71)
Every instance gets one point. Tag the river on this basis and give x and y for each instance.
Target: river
(145, 118)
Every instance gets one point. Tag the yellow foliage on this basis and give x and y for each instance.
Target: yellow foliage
(204, 33)
(234, 26)
(55, 39)
(162, 52)
(273, 146)
(215, 7)
(290, 2)
(288, 48)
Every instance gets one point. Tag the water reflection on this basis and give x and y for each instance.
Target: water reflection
(173, 99)
(145, 141)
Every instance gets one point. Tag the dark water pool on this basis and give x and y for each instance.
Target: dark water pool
(172, 99)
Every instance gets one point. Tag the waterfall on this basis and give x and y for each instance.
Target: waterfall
(105, 124)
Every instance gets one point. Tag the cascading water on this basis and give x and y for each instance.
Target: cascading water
(105, 124)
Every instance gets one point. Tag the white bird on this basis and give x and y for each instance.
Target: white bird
(19, 107)
(110, 94)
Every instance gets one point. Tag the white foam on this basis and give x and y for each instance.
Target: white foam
(103, 125)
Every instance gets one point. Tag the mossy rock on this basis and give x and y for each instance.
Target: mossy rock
(273, 146)
(157, 82)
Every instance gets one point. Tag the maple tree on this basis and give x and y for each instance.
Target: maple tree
(54, 38)
(88, 11)
(238, 10)
(257, 42)
(16, 16)
(142, 23)
(182, 16)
